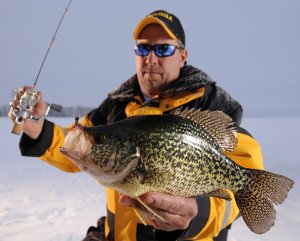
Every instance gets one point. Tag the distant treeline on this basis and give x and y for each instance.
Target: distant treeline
(72, 111)
(67, 111)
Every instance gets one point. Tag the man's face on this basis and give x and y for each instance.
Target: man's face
(153, 72)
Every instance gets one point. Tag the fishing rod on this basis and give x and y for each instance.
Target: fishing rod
(30, 97)
(51, 43)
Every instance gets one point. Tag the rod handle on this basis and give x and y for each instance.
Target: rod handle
(17, 128)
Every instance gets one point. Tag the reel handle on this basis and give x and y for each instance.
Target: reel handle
(56, 107)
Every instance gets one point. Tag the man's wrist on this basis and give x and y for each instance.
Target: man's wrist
(35, 130)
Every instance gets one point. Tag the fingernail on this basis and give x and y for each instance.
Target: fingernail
(125, 201)
(148, 199)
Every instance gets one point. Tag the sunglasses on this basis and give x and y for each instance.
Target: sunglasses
(160, 50)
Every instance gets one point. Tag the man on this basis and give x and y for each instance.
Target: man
(162, 82)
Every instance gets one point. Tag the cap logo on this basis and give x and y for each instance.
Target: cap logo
(162, 14)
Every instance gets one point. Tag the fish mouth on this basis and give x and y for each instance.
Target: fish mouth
(71, 154)
(106, 175)
(75, 158)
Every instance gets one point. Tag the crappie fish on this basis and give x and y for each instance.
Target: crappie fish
(181, 154)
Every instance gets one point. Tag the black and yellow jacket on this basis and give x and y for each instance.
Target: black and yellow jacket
(193, 89)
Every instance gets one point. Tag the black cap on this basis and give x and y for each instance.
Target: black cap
(168, 21)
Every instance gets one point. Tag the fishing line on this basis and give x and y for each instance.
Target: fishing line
(51, 43)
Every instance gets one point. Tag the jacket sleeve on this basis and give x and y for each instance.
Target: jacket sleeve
(46, 147)
(53, 156)
(214, 214)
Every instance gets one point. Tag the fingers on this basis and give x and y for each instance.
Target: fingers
(11, 113)
(170, 203)
(176, 211)
(173, 223)
(40, 107)
(26, 107)
(41, 104)
(158, 224)
(19, 93)
(125, 200)
(15, 102)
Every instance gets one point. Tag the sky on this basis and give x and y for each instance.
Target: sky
(250, 48)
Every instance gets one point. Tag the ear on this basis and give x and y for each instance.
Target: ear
(183, 57)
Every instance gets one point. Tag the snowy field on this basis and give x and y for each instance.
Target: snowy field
(39, 202)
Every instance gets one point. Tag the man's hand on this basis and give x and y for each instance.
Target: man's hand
(31, 128)
(177, 211)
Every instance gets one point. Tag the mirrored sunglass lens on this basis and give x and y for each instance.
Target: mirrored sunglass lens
(142, 50)
(164, 50)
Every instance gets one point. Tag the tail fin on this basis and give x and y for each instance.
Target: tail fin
(256, 202)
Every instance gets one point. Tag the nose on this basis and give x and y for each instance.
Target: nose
(151, 58)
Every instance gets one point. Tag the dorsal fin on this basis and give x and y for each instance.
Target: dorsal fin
(217, 123)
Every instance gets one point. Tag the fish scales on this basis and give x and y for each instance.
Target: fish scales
(174, 156)
(182, 154)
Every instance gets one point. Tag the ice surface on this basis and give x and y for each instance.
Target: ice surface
(39, 202)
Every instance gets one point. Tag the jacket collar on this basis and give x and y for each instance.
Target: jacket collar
(190, 79)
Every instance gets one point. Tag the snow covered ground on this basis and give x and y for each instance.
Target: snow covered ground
(39, 202)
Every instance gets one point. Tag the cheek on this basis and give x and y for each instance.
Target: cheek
(138, 63)
(171, 70)
(138, 66)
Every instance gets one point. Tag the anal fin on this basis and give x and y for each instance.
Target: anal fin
(141, 214)
(142, 210)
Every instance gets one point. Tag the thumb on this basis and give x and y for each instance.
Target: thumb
(41, 105)
(125, 200)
